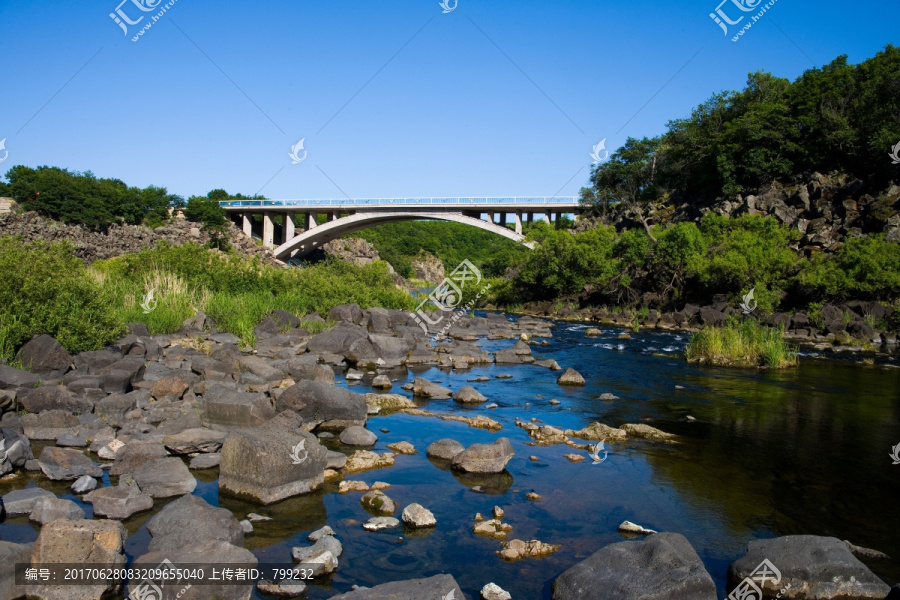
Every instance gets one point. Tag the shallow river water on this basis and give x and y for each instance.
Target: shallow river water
(799, 451)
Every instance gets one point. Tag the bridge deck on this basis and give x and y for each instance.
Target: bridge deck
(512, 204)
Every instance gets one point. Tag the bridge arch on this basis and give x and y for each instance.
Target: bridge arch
(310, 240)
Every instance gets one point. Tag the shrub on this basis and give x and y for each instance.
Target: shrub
(47, 290)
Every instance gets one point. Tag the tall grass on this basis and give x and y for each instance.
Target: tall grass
(48, 290)
(741, 343)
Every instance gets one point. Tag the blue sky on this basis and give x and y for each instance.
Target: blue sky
(394, 99)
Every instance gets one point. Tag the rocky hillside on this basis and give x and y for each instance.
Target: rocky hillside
(825, 209)
(91, 245)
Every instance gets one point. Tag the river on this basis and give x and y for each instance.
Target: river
(798, 451)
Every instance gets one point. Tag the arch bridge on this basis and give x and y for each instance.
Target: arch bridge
(502, 216)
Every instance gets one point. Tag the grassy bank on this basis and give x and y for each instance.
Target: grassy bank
(51, 291)
(741, 343)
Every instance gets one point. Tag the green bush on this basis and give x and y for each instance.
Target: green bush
(47, 290)
(863, 268)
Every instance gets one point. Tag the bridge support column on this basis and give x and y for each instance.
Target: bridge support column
(310, 221)
(247, 225)
(332, 216)
(503, 219)
(289, 230)
(519, 222)
(558, 220)
(268, 230)
(491, 216)
(549, 216)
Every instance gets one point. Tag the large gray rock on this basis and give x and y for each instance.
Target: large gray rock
(437, 587)
(346, 314)
(570, 377)
(814, 567)
(45, 356)
(337, 340)
(99, 543)
(208, 552)
(54, 398)
(21, 502)
(305, 367)
(330, 406)
(67, 463)
(468, 395)
(417, 516)
(445, 449)
(96, 360)
(379, 351)
(119, 502)
(191, 441)
(51, 509)
(10, 554)
(428, 389)
(268, 464)
(120, 376)
(164, 478)
(358, 436)
(49, 425)
(134, 454)
(663, 566)
(11, 379)
(190, 521)
(224, 408)
(484, 458)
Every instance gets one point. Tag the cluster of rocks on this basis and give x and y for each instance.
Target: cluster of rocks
(665, 565)
(116, 240)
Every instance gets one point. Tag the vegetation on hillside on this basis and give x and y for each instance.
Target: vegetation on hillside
(840, 118)
(51, 291)
(400, 243)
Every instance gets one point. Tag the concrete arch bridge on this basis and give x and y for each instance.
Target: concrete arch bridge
(345, 216)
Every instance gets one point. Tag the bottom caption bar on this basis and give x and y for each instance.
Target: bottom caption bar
(143, 578)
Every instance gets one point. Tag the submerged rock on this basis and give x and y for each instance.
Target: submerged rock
(378, 502)
(423, 387)
(379, 523)
(629, 527)
(663, 565)
(642, 430)
(444, 449)
(417, 516)
(518, 549)
(366, 460)
(811, 567)
(356, 435)
(468, 395)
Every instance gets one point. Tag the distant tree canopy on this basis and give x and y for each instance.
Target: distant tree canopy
(82, 198)
(841, 118)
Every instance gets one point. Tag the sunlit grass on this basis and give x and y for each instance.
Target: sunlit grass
(744, 343)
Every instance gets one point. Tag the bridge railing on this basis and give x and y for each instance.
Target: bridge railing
(512, 201)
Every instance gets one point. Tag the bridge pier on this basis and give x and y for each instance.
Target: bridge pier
(268, 230)
(288, 231)
(310, 221)
(247, 225)
(558, 220)
(502, 219)
(519, 222)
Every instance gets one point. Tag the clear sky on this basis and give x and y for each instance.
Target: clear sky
(394, 98)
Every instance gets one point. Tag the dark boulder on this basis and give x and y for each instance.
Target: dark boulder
(663, 566)
(437, 587)
(45, 356)
(320, 402)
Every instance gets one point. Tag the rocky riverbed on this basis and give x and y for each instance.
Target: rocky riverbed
(498, 463)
